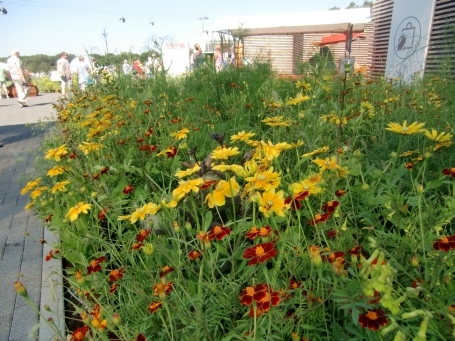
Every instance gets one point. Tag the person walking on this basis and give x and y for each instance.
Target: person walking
(18, 77)
(83, 73)
(217, 58)
(63, 68)
(198, 56)
(3, 88)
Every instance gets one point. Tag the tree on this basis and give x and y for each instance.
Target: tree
(352, 5)
(367, 3)
(334, 8)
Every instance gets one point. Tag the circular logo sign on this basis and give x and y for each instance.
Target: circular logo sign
(407, 37)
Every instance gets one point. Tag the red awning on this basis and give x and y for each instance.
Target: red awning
(338, 38)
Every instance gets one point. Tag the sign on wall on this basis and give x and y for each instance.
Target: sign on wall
(409, 38)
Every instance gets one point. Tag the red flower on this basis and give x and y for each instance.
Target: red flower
(340, 192)
(79, 333)
(208, 183)
(172, 152)
(294, 284)
(104, 170)
(246, 297)
(95, 265)
(128, 189)
(48, 218)
(331, 233)
(194, 255)
(375, 299)
(142, 235)
(255, 232)
(260, 253)
(136, 246)
(319, 218)
(140, 337)
(450, 172)
(102, 214)
(162, 289)
(444, 244)
(50, 255)
(330, 207)
(218, 232)
(113, 288)
(116, 274)
(294, 200)
(355, 251)
(154, 306)
(165, 270)
(373, 319)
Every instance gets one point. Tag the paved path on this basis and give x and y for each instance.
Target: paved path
(20, 256)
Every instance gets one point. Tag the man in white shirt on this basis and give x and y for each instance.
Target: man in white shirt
(126, 67)
(63, 68)
(18, 77)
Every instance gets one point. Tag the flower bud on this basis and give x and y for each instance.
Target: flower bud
(188, 226)
(176, 226)
(400, 336)
(393, 155)
(116, 318)
(20, 289)
(365, 186)
(422, 333)
(46, 307)
(414, 261)
(420, 189)
(295, 336)
(412, 314)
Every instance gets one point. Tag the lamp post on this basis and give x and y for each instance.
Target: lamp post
(202, 19)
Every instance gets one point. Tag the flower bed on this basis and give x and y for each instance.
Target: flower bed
(241, 206)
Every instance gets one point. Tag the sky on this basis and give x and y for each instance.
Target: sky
(52, 26)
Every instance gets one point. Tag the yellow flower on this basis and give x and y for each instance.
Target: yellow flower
(439, 138)
(303, 85)
(223, 153)
(310, 185)
(270, 202)
(54, 171)
(270, 150)
(242, 136)
(298, 99)
(30, 185)
(56, 153)
(237, 169)
(333, 118)
(317, 151)
(297, 144)
(327, 164)
(29, 205)
(124, 217)
(37, 192)
(413, 128)
(264, 180)
(92, 132)
(59, 186)
(368, 108)
(144, 211)
(222, 190)
(276, 121)
(442, 145)
(186, 187)
(187, 172)
(74, 211)
(87, 147)
(181, 134)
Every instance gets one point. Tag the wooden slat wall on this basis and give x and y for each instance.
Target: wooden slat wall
(286, 51)
(441, 51)
(276, 48)
(381, 14)
(297, 52)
